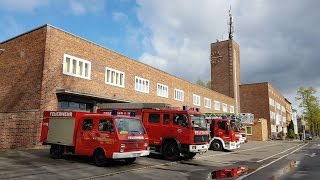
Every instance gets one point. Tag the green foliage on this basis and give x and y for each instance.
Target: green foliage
(310, 105)
(208, 85)
(203, 84)
(200, 82)
(291, 134)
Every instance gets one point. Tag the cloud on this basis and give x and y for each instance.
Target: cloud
(24, 6)
(119, 17)
(154, 61)
(82, 7)
(181, 33)
(278, 43)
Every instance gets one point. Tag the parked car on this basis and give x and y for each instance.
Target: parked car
(308, 136)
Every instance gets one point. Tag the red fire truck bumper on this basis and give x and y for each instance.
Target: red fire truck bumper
(198, 148)
(131, 154)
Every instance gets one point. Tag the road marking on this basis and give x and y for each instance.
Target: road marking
(311, 155)
(234, 151)
(129, 170)
(266, 165)
(277, 154)
(168, 163)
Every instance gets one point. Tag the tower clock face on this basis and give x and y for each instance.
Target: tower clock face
(215, 57)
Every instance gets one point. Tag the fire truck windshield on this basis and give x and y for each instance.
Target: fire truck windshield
(198, 121)
(129, 126)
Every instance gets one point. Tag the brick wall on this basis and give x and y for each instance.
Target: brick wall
(254, 99)
(21, 71)
(259, 131)
(20, 129)
(60, 42)
(225, 75)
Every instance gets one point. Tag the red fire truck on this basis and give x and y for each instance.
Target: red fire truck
(222, 134)
(172, 131)
(91, 134)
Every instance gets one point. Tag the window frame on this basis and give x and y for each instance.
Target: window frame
(177, 93)
(207, 100)
(160, 91)
(139, 87)
(224, 107)
(197, 98)
(71, 71)
(231, 107)
(111, 79)
(215, 105)
(247, 131)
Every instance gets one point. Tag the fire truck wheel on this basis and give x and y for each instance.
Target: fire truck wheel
(171, 151)
(216, 145)
(130, 160)
(56, 151)
(99, 157)
(191, 155)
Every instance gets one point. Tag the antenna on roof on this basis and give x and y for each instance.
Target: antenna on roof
(230, 25)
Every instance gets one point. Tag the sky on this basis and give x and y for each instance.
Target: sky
(278, 40)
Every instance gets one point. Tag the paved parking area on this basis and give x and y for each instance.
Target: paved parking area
(37, 164)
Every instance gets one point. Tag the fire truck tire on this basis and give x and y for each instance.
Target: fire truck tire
(99, 158)
(216, 145)
(130, 160)
(171, 151)
(191, 155)
(56, 151)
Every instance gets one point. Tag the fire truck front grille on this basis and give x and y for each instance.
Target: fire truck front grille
(201, 138)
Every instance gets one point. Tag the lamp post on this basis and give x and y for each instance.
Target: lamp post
(303, 128)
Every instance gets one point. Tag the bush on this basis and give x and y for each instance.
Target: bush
(291, 134)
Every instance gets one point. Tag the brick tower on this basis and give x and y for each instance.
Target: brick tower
(225, 67)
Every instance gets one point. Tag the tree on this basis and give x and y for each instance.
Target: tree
(310, 106)
(200, 82)
(203, 84)
(208, 85)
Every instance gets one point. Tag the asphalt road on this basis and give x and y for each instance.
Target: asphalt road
(257, 160)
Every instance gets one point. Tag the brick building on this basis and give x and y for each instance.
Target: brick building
(264, 101)
(50, 69)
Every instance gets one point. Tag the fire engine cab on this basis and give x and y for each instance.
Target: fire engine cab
(222, 134)
(101, 136)
(172, 131)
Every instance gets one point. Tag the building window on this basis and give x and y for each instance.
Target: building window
(141, 85)
(217, 105)
(162, 90)
(77, 67)
(207, 103)
(278, 106)
(196, 100)
(248, 130)
(231, 109)
(271, 102)
(114, 77)
(224, 107)
(178, 95)
(283, 109)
